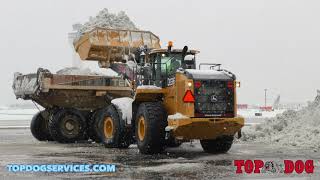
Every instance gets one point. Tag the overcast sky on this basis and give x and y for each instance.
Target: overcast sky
(270, 44)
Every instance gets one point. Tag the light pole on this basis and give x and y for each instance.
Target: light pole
(265, 98)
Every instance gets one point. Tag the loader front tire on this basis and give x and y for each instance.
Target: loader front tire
(67, 126)
(216, 146)
(39, 126)
(112, 131)
(150, 124)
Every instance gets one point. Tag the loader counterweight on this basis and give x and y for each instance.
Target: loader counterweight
(204, 128)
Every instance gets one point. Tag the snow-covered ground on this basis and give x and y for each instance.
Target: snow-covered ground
(16, 117)
(17, 114)
(17, 146)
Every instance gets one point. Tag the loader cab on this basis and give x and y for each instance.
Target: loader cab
(164, 64)
(174, 59)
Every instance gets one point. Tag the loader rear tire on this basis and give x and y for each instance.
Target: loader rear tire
(67, 126)
(216, 146)
(150, 124)
(111, 131)
(39, 126)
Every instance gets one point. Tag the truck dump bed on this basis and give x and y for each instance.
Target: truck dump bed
(110, 45)
(70, 91)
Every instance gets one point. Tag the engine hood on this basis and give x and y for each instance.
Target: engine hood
(209, 74)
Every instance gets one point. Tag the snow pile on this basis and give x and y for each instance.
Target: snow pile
(76, 71)
(132, 65)
(87, 72)
(206, 74)
(148, 87)
(177, 116)
(295, 128)
(125, 106)
(108, 72)
(105, 19)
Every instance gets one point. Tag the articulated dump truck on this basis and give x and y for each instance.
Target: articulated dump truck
(160, 98)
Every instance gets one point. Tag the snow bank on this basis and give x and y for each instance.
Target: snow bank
(250, 113)
(295, 128)
(105, 19)
(87, 72)
(125, 106)
(177, 116)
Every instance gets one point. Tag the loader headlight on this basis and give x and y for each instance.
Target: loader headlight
(189, 84)
(237, 84)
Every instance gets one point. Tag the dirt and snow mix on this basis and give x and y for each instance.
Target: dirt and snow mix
(294, 128)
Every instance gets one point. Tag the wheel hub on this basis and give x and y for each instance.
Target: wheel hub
(141, 128)
(108, 127)
(69, 126)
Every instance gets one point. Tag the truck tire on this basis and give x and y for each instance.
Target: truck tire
(111, 130)
(67, 126)
(150, 127)
(216, 146)
(93, 129)
(39, 126)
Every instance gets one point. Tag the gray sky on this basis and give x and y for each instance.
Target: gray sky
(270, 44)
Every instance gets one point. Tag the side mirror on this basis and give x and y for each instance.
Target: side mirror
(189, 61)
(184, 51)
(189, 58)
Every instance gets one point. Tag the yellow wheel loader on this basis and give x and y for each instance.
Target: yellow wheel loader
(173, 100)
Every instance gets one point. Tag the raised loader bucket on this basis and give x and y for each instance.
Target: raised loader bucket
(110, 45)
